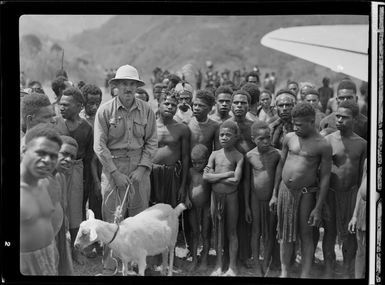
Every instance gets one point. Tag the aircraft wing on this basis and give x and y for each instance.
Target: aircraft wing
(342, 48)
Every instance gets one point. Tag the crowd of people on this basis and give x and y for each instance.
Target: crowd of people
(260, 170)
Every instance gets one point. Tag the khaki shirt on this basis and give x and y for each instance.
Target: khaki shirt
(117, 128)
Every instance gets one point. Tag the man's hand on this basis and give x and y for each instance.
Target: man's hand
(137, 174)
(249, 219)
(314, 218)
(188, 202)
(273, 204)
(180, 197)
(121, 180)
(352, 225)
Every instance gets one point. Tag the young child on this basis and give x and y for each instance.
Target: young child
(358, 224)
(198, 200)
(263, 160)
(224, 171)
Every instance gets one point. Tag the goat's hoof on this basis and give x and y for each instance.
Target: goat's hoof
(230, 272)
(216, 272)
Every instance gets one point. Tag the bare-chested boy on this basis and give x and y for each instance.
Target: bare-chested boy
(198, 201)
(263, 161)
(358, 225)
(38, 252)
(349, 153)
(224, 171)
(240, 102)
(305, 153)
(171, 161)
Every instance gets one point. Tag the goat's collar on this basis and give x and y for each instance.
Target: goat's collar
(116, 232)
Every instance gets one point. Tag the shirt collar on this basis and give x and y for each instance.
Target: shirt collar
(135, 105)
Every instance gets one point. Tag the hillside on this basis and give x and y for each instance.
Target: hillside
(171, 42)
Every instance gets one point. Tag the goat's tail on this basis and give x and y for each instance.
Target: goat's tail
(180, 208)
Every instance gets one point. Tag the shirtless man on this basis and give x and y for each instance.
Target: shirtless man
(349, 153)
(284, 101)
(224, 171)
(198, 201)
(254, 93)
(312, 97)
(171, 161)
(184, 94)
(346, 91)
(203, 129)
(266, 112)
(223, 104)
(263, 161)
(240, 105)
(305, 155)
(37, 230)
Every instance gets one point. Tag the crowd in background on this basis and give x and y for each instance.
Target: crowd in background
(260, 169)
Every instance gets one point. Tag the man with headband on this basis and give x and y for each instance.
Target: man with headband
(284, 101)
(184, 93)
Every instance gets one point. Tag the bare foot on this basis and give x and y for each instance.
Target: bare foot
(258, 269)
(230, 272)
(217, 272)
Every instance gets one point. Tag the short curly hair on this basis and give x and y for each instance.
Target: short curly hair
(32, 103)
(207, 96)
(230, 125)
(347, 84)
(90, 89)
(258, 125)
(302, 110)
(352, 106)
(75, 93)
(241, 92)
(140, 90)
(200, 151)
(70, 141)
(253, 90)
(223, 89)
(43, 130)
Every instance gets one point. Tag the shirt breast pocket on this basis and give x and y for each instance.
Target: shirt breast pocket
(116, 129)
(139, 129)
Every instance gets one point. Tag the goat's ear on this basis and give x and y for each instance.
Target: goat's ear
(90, 215)
(93, 234)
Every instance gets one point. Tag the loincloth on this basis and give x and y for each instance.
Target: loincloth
(344, 204)
(287, 212)
(165, 183)
(218, 204)
(75, 195)
(265, 219)
(43, 261)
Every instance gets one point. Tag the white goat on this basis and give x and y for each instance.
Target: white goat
(149, 233)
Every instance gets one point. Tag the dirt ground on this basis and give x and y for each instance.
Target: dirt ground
(93, 266)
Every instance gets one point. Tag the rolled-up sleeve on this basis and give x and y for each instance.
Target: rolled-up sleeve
(150, 141)
(100, 141)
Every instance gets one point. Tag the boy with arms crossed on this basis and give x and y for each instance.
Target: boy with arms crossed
(224, 171)
(305, 153)
(198, 201)
(263, 161)
(349, 153)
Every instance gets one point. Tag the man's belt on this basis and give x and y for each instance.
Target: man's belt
(119, 153)
(309, 189)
